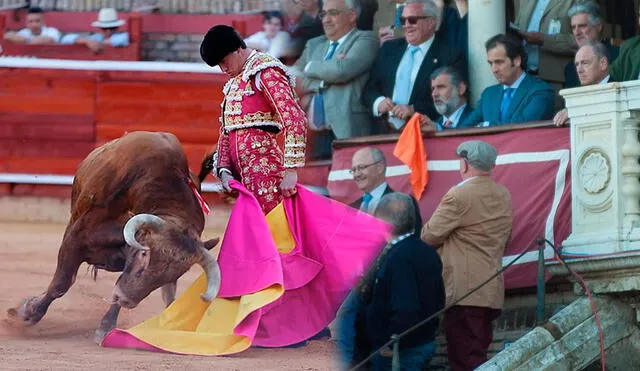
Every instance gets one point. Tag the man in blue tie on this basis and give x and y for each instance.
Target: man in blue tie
(400, 83)
(518, 97)
(332, 72)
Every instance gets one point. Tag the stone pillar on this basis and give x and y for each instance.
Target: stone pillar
(486, 19)
(605, 171)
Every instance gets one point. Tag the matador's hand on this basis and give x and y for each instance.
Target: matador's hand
(225, 178)
(288, 185)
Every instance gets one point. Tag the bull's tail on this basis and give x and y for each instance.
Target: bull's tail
(206, 167)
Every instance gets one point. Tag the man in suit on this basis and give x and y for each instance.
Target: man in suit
(403, 287)
(399, 84)
(368, 169)
(592, 64)
(546, 28)
(449, 94)
(332, 71)
(519, 97)
(586, 25)
(627, 66)
(471, 228)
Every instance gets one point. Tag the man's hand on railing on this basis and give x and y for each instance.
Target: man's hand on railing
(561, 118)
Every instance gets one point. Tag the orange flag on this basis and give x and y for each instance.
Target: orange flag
(410, 150)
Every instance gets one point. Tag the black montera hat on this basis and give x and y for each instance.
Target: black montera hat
(219, 42)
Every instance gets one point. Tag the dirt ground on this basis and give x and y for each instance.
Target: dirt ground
(63, 339)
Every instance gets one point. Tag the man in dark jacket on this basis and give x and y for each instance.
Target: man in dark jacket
(402, 288)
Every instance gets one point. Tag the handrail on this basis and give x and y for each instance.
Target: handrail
(390, 138)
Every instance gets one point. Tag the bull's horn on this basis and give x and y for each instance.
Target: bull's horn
(134, 224)
(212, 270)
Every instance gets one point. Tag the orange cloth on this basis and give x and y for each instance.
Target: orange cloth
(410, 150)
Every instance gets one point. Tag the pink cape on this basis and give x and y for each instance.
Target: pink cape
(334, 245)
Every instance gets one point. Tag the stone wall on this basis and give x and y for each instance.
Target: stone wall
(166, 6)
(171, 48)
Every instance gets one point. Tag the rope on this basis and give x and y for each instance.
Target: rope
(596, 316)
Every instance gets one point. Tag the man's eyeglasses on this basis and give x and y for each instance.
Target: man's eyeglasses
(332, 12)
(355, 169)
(412, 19)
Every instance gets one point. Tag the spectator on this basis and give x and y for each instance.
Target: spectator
(592, 64)
(333, 70)
(471, 227)
(454, 24)
(399, 85)
(272, 40)
(403, 287)
(35, 32)
(546, 28)
(368, 169)
(107, 26)
(519, 97)
(368, 9)
(627, 66)
(386, 21)
(449, 94)
(586, 25)
(310, 23)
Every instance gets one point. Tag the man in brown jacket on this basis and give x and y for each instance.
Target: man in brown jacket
(471, 228)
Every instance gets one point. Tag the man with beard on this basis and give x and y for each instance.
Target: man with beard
(449, 94)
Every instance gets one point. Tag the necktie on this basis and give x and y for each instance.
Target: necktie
(447, 124)
(506, 100)
(366, 199)
(319, 119)
(402, 90)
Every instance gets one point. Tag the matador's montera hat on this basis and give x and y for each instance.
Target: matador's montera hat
(220, 41)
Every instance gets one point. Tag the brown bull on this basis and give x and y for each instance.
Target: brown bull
(132, 211)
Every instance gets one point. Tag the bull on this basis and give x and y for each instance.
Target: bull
(133, 210)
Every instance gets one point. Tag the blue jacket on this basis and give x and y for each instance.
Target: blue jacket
(534, 100)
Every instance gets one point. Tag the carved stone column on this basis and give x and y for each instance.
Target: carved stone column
(605, 171)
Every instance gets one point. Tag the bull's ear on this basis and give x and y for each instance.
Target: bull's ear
(210, 244)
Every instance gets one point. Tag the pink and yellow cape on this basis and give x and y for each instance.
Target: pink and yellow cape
(283, 278)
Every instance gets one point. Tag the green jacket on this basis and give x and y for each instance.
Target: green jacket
(627, 66)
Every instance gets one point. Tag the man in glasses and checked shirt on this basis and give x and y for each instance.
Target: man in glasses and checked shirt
(400, 83)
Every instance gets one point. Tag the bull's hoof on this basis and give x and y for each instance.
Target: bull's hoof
(99, 335)
(24, 312)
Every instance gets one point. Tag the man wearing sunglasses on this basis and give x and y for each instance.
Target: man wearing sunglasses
(399, 85)
(332, 72)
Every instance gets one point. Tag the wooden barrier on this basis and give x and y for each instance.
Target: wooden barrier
(50, 119)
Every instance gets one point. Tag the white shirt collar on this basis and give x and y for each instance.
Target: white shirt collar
(605, 80)
(400, 238)
(343, 38)
(516, 83)
(424, 47)
(455, 116)
(464, 181)
(378, 191)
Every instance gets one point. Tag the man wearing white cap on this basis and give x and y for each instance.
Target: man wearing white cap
(471, 228)
(107, 25)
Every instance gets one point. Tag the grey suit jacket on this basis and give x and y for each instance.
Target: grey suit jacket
(344, 78)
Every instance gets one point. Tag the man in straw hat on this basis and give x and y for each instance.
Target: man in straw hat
(471, 228)
(259, 107)
(107, 26)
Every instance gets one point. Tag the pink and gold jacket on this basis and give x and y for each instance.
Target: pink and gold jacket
(263, 96)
